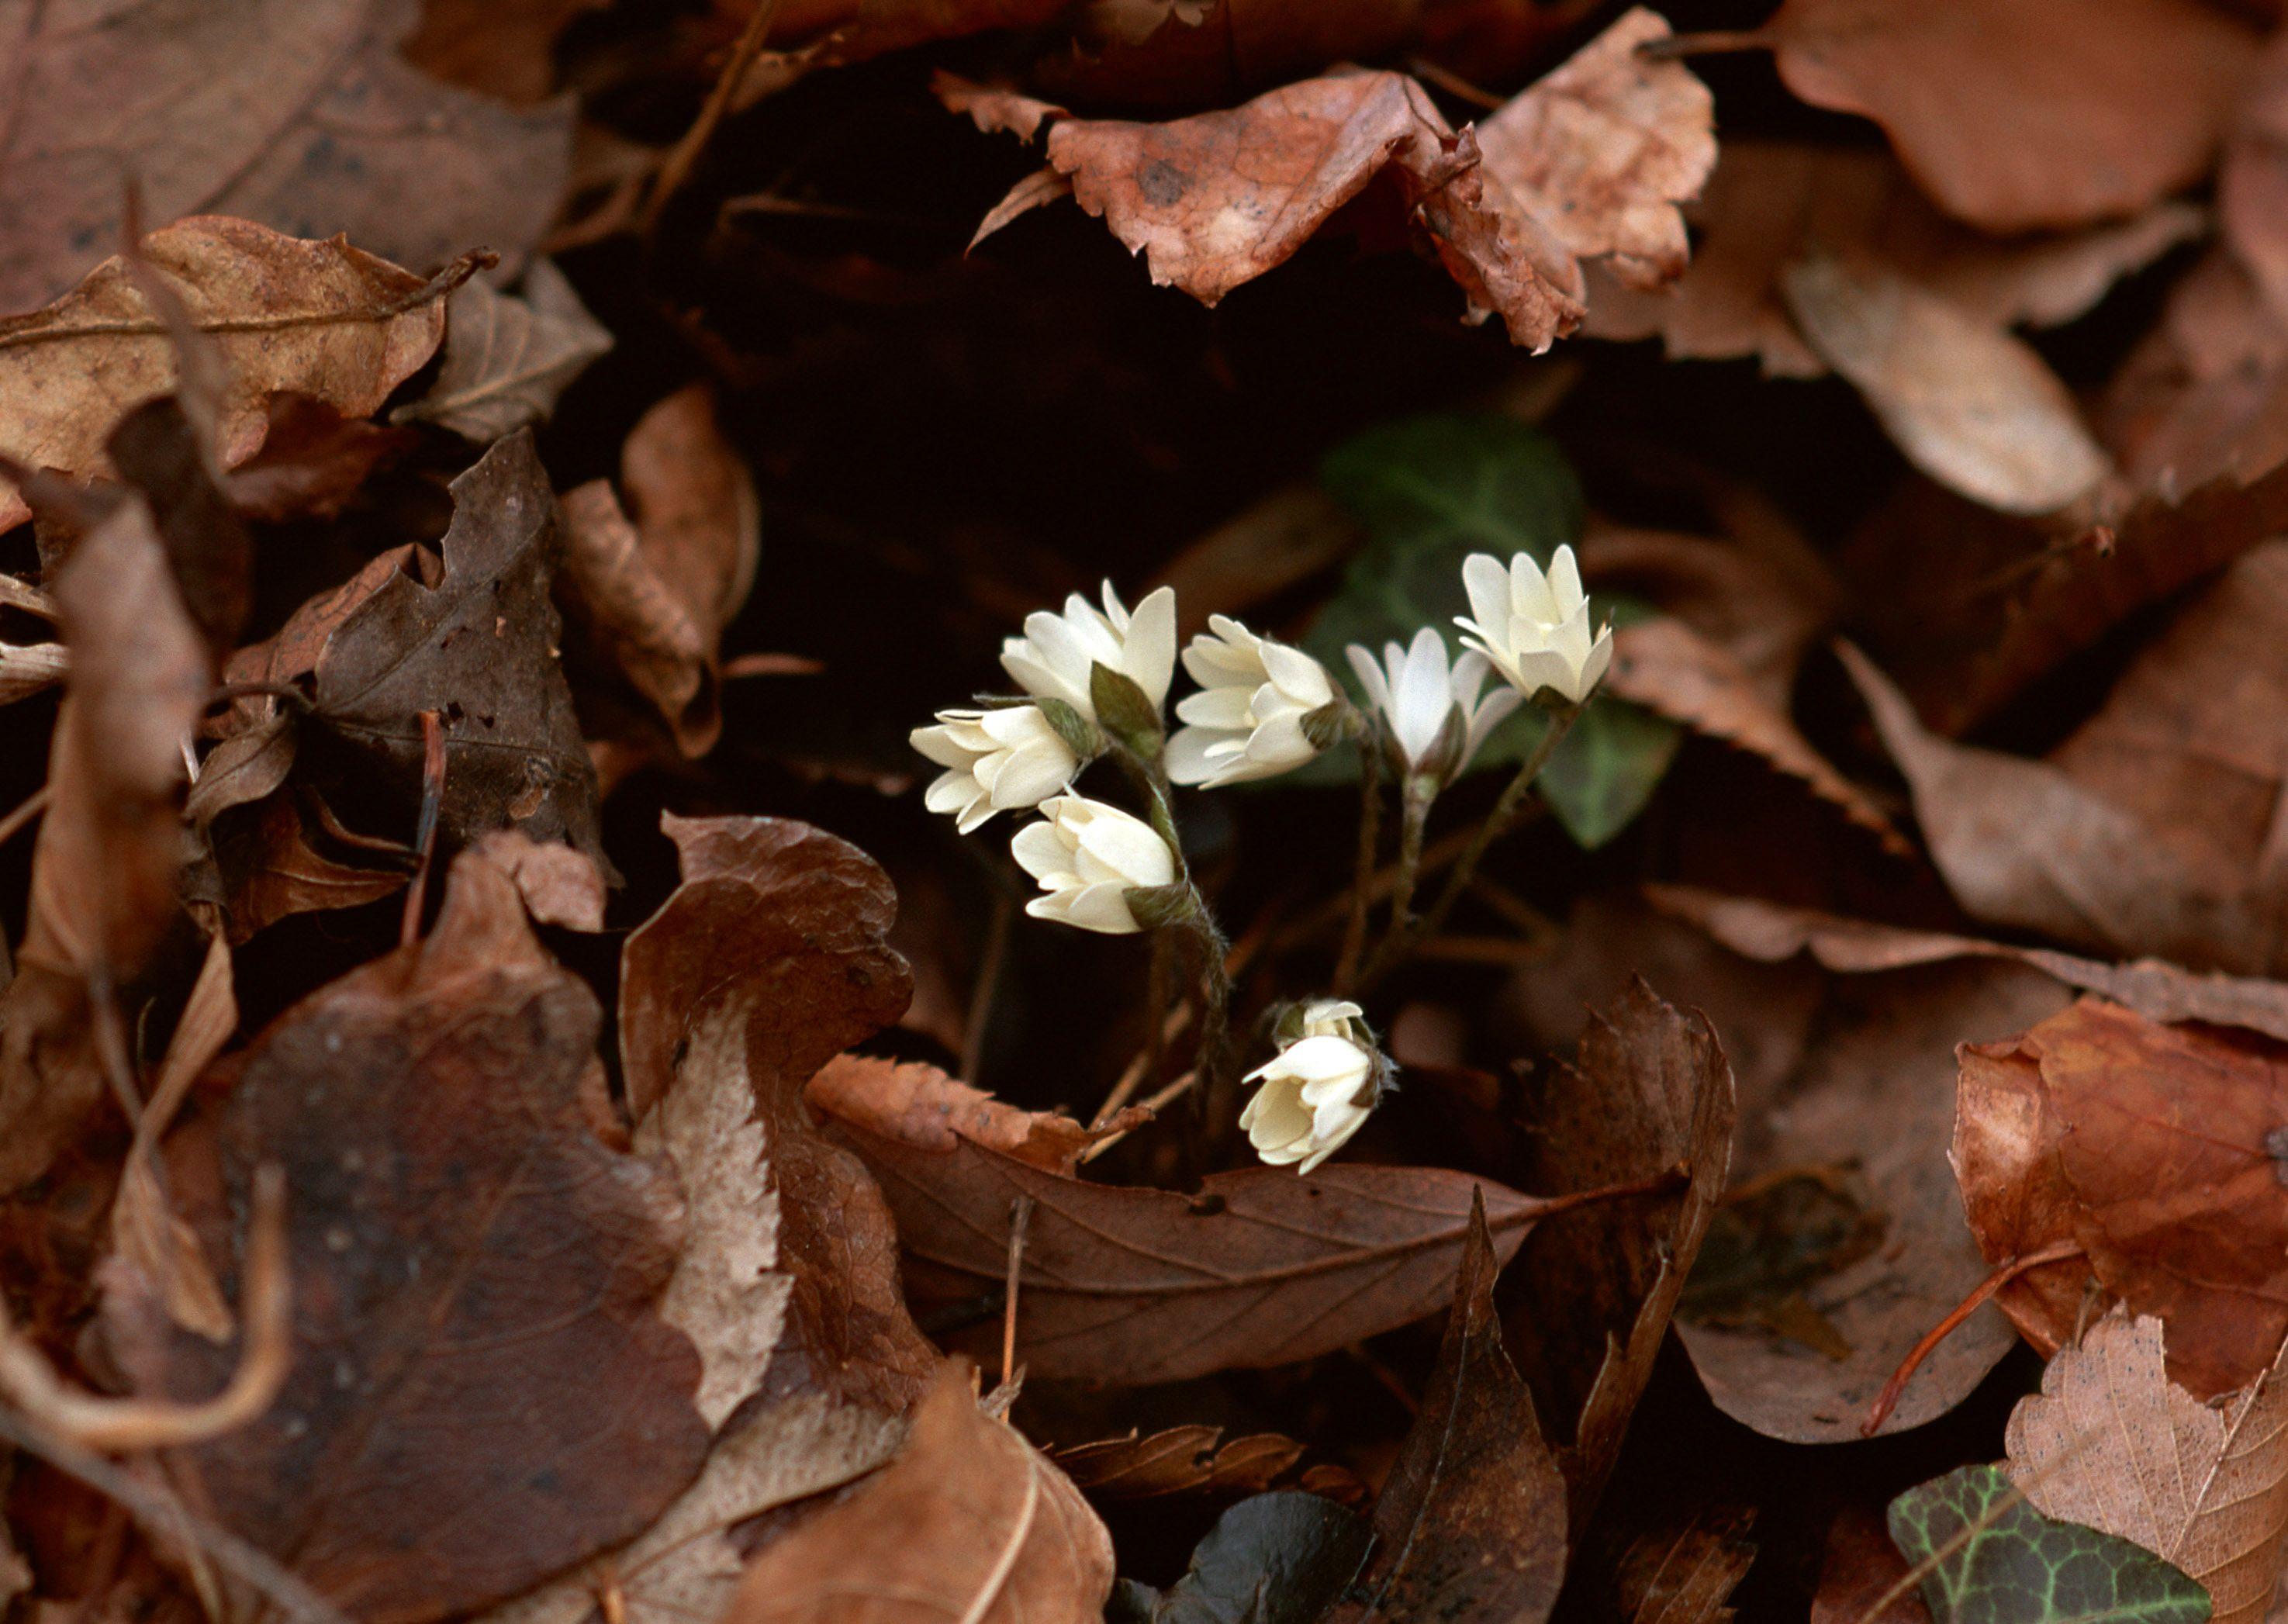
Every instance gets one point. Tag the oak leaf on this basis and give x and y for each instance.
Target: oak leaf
(2111, 1443)
(312, 318)
(969, 1522)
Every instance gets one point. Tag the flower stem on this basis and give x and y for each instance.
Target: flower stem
(1369, 837)
(1399, 943)
(1414, 817)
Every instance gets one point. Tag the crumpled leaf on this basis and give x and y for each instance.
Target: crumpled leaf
(655, 591)
(2111, 1443)
(472, 1267)
(319, 319)
(1275, 1559)
(470, 633)
(2021, 114)
(1471, 1525)
(1968, 404)
(2154, 1148)
(969, 1522)
(2020, 844)
(297, 113)
(507, 357)
(1997, 1560)
(1601, 151)
(919, 1104)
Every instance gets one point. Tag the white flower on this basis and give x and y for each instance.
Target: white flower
(1431, 711)
(1087, 857)
(1053, 658)
(1535, 627)
(1246, 721)
(995, 760)
(1317, 1090)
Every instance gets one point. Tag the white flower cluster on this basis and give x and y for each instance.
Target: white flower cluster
(1095, 680)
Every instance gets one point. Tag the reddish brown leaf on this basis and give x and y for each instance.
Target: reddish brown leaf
(463, 1250)
(920, 1105)
(2253, 190)
(319, 319)
(2019, 114)
(1862, 1566)
(266, 869)
(1471, 1527)
(508, 357)
(969, 1522)
(1191, 1459)
(2153, 1147)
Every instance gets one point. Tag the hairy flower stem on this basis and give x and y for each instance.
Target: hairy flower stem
(1413, 818)
(1369, 837)
(1401, 942)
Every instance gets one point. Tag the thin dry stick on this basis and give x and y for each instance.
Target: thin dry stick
(1132, 1078)
(677, 166)
(425, 829)
(436, 288)
(1174, 1091)
(1021, 1215)
(18, 594)
(30, 807)
(1886, 1401)
(295, 1599)
(91, 1422)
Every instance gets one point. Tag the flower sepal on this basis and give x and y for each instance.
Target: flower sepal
(1082, 736)
(1125, 711)
(1333, 723)
(1157, 907)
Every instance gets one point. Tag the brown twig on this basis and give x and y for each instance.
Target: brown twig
(676, 168)
(1888, 1400)
(1168, 1096)
(30, 807)
(116, 1425)
(1021, 1215)
(425, 829)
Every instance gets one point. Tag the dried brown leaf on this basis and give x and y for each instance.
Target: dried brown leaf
(1189, 1459)
(266, 869)
(2021, 114)
(2112, 1444)
(1686, 1574)
(969, 1522)
(507, 357)
(1471, 1525)
(320, 318)
(1861, 1567)
(1968, 404)
(920, 1105)
(463, 1250)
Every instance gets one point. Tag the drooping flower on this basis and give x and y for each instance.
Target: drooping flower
(995, 761)
(1317, 1091)
(1432, 712)
(1088, 857)
(1054, 658)
(1248, 719)
(1535, 627)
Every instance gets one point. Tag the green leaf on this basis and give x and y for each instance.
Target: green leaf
(1275, 1559)
(2000, 1561)
(1430, 491)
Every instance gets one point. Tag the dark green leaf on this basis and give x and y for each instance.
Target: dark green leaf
(2000, 1561)
(1275, 1559)
(1429, 492)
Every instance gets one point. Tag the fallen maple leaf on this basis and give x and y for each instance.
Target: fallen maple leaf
(2152, 1148)
(1471, 1526)
(298, 114)
(319, 319)
(2111, 1443)
(2019, 114)
(465, 1251)
(969, 1522)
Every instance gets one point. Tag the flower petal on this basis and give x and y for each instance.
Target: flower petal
(1149, 656)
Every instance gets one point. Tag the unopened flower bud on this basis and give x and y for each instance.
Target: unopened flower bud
(1088, 857)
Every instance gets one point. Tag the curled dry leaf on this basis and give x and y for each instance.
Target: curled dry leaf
(655, 591)
(786, 926)
(920, 1105)
(2201, 398)
(318, 319)
(1665, 666)
(1770, 203)
(1650, 1088)
(1471, 1526)
(266, 869)
(507, 357)
(471, 634)
(1970, 405)
(969, 1522)
(1602, 150)
(2020, 844)
(463, 1250)
(26, 669)
(110, 846)
(2023, 114)
(2111, 1443)
(2154, 1148)
(1189, 1459)
(1765, 930)
(2253, 186)
(559, 886)
(297, 113)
